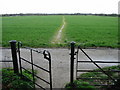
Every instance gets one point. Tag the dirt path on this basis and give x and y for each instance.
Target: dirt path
(57, 38)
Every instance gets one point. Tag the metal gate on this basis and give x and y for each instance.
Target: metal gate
(18, 65)
(75, 59)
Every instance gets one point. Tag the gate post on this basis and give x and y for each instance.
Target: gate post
(14, 56)
(72, 61)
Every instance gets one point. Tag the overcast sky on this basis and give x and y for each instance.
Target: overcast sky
(58, 6)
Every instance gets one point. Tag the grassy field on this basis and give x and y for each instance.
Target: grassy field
(92, 31)
(38, 31)
(34, 31)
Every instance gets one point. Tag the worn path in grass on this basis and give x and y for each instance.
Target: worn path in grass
(61, 62)
(58, 37)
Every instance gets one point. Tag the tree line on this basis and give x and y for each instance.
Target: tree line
(44, 14)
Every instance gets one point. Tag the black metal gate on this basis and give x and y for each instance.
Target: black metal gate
(18, 66)
(75, 56)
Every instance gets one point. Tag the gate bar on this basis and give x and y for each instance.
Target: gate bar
(20, 62)
(32, 67)
(95, 63)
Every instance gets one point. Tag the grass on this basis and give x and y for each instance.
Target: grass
(11, 81)
(34, 31)
(88, 84)
(92, 31)
(77, 85)
(38, 31)
(101, 75)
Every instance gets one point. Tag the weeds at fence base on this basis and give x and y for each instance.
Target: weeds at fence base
(104, 80)
(79, 84)
(115, 75)
(11, 81)
(88, 84)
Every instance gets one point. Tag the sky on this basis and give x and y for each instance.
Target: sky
(58, 6)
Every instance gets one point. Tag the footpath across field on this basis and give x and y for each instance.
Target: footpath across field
(39, 31)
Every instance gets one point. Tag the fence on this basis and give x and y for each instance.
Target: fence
(18, 67)
(75, 56)
(5, 60)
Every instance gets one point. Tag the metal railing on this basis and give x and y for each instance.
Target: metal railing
(6, 62)
(75, 56)
(18, 67)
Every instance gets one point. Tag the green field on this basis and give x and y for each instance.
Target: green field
(92, 31)
(38, 31)
(34, 31)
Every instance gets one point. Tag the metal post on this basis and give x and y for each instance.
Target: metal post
(14, 56)
(72, 62)
(50, 71)
(19, 44)
(32, 67)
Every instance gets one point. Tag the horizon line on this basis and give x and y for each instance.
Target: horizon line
(58, 13)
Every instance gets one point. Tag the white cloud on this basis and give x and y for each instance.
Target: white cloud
(59, 6)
